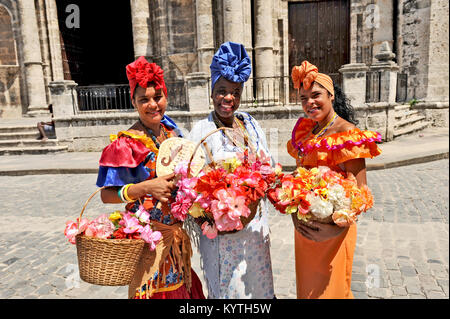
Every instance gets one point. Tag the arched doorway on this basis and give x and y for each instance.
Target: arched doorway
(96, 51)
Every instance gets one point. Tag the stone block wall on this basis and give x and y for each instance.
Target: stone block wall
(174, 34)
(413, 44)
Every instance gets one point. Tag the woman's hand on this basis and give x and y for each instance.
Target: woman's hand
(316, 231)
(160, 188)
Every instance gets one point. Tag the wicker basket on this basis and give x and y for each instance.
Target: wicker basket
(107, 262)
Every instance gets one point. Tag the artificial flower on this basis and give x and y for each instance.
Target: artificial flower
(209, 230)
(131, 224)
(151, 237)
(196, 210)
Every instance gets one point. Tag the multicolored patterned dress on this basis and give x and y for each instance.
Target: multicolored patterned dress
(164, 273)
(324, 269)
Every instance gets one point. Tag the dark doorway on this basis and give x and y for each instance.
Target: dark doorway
(319, 32)
(97, 52)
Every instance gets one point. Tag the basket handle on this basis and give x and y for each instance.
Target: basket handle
(88, 200)
(93, 194)
(201, 142)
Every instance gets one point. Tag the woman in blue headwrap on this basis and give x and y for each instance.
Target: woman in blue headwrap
(235, 265)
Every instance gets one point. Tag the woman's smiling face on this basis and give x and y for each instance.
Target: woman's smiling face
(316, 102)
(226, 97)
(150, 103)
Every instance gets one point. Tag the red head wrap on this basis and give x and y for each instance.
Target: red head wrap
(308, 73)
(142, 72)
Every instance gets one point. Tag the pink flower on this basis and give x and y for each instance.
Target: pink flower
(82, 225)
(228, 208)
(186, 186)
(180, 207)
(209, 231)
(130, 223)
(142, 215)
(151, 237)
(71, 231)
(181, 169)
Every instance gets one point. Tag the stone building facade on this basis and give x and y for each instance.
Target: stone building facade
(49, 47)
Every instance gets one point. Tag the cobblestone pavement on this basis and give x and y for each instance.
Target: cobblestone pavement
(402, 248)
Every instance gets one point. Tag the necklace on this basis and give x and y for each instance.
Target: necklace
(241, 129)
(325, 128)
(301, 154)
(152, 135)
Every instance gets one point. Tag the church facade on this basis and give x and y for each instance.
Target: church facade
(87, 44)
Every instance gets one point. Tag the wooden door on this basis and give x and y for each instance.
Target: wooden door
(319, 32)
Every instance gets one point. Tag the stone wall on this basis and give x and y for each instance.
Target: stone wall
(413, 44)
(438, 67)
(174, 34)
(10, 75)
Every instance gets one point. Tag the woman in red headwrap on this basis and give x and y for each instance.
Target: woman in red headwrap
(127, 171)
(327, 137)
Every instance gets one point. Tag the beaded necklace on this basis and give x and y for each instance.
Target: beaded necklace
(241, 128)
(319, 134)
(152, 135)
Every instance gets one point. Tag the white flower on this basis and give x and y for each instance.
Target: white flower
(319, 207)
(336, 195)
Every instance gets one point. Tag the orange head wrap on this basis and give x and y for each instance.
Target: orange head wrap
(308, 73)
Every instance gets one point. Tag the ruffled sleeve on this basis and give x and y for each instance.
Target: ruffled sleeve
(123, 161)
(333, 149)
(338, 148)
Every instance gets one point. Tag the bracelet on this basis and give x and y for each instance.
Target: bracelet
(119, 194)
(125, 194)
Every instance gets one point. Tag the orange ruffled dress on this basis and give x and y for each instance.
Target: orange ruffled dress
(324, 269)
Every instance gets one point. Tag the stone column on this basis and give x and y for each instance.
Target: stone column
(197, 91)
(233, 21)
(63, 97)
(64, 101)
(140, 17)
(54, 41)
(205, 35)
(263, 63)
(354, 82)
(34, 76)
(388, 69)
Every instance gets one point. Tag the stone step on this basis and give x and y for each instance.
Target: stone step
(28, 143)
(32, 150)
(19, 136)
(418, 126)
(405, 114)
(402, 107)
(409, 121)
(19, 129)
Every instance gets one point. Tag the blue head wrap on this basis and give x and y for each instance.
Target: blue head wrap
(232, 62)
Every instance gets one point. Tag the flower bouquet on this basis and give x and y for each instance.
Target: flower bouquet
(320, 194)
(109, 247)
(224, 198)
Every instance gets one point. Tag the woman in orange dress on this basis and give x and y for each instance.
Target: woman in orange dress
(327, 137)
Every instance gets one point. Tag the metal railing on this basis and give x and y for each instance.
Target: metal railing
(373, 86)
(116, 97)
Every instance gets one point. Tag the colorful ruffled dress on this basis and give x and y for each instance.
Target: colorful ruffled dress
(164, 273)
(324, 269)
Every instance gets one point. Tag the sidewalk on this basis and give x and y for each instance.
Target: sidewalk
(429, 145)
